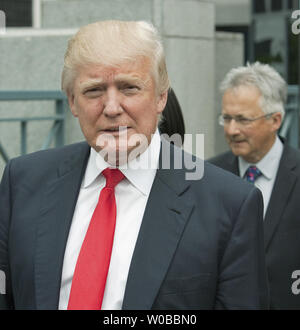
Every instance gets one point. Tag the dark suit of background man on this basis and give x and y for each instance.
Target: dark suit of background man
(178, 243)
(252, 112)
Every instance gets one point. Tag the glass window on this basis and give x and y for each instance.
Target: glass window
(293, 56)
(259, 6)
(276, 5)
(18, 12)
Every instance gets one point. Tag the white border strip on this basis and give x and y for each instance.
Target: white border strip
(29, 32)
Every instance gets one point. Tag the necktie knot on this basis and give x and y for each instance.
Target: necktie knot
(252, 174)
(113, 177)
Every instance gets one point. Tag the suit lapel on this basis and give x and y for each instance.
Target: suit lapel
(283, 187)
(231, 164)
(165, 217)
(57, 209)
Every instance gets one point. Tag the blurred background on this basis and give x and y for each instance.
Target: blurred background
(203, 40)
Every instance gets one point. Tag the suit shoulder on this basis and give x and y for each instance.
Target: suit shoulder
(45, 159)
(224, 188)
(292, 152)
(290, 161)
(49, 154)
(214, 173)
(221, 159)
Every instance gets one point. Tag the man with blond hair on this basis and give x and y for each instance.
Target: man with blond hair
(94, 226)
(252, 112)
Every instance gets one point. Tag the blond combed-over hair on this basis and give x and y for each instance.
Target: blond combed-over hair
(113, 43)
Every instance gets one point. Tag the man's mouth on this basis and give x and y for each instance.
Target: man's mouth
(237, 141)
(115, 129)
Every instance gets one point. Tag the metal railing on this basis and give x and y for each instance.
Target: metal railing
(290, 126)
(57, 131)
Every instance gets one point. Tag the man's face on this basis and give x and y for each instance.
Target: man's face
(106, 98)
(254, 140)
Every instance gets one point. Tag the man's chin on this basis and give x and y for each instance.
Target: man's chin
(114, 158)
(117, 152)
(238, 150)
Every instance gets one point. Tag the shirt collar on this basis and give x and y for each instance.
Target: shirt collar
(268, 164)
(140, 171)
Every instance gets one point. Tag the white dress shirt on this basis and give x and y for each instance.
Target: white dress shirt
(268, 166)
(131, 198)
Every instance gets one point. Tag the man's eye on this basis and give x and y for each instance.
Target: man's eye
(130, 88)
(227, 119)
(243, 120)
(93, 92)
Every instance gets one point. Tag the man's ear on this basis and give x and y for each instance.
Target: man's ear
(162, 101)
(71, 100)
(276, 120)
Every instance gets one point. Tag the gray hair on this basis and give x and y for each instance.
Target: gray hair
(111, 43)
(272, 86)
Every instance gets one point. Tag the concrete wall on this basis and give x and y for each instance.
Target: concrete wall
(191, 63)
(229, 54)
(73, 13)
(233, 12)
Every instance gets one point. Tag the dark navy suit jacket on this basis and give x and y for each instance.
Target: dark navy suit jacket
(281, 226)
(200, 245)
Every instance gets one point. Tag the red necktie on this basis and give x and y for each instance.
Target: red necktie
(92, 265)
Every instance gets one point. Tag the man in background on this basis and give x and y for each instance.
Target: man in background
(252, 112)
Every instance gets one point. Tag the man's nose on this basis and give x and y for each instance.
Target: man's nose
(112, 104)
(232, 128)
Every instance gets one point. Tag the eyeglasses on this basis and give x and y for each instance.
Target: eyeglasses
(240, 120)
